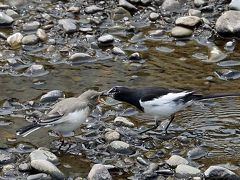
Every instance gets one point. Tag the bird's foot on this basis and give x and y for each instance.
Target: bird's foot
(149, 129)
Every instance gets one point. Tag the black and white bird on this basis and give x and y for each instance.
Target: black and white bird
(159, 102)
(65, 116)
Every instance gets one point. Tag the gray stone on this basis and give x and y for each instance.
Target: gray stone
(80, 57)
(176, 160)
(122, 121)
(50, 97)
(184, 171)
(215, 55)
(93, 9)
(111, 136)
(228, 24)
(31, 26)
(12, 13)
(196, 153)
(179, 31)
(35, 69)
(24, 167)
(235, 5)
(39, 176)
(127, 5)
(41, 154)
(135, 56)
(154, 16)
(30, 39)
(6, 157)
(189, 21)
(47, 167)
(146, 2)
(5, 19)
(120, 147)
(106, 39)
(8, 170)
(69, 25)
(218, 172)
(118, 51)
(99, 172)
(119, 13)
(74, 9)
(156, 33)
(17, 3)
(199, 3)
(194, 12)
(3, 35)
(171, 5)
(41, 34)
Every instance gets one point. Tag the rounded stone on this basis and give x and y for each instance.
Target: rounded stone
(106, 39)
(80, 57)
(218, 172)
(6, 157)
(41, 154)
(92, 9)
(112, 136)
(189, 21)
(69, 25)
(154, 16)
(47, 167)
(15, 40)
(31, 26)
(179, 32)
(41, 34)
(35, 69)
(171, 5)
(122, 121)
(118, 51)
(99, 172)
(30, 39)
(120, 147)
(39, 176)
(5, 19)
(184, 171)
(196, 153)
(235, 5)
(194, 12)
(176, 160)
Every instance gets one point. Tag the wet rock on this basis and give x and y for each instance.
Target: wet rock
(194, 12)
(120, 147)
(68, 25)
(93, 9)
(47, 167)
(176, 160)
(99, 172)
(184, 171)
(74, 9)
(122, 121)
(31, 26)
(230, 45)
(112, 136)
(171, 5)
(218, 172)
(24, 167)
(118, 51)
(52, 96)
(154, 16)
(119, 13)
(165, 172)
(3, 35)
(228, 24)
(235, 5)
(196, 153)
(39, 176)
(41, 34)
(135, 56)
(227, 74)
(142, 161)
(35, 69)
(229, 63)
(5, 19)
(179, 32)
(151, 168)
(12, 13)
(80, 57)
(127, 5)
(6, 157)
(156, 33)
(215, 55)
(199, 3)
(41, 154)
(189, 21)
(9, 170)
(16, 3)
(30, 39)
(106, 39)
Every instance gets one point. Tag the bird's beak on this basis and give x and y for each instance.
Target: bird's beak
(101, 100)
(104, 93)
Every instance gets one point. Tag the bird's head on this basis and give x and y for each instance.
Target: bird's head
(117, 92)
(91, 96)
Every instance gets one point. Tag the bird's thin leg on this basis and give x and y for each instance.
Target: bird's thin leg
(154, 127)
(61, 139)
(171, 119)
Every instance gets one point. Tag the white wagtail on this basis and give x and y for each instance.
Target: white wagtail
(159, 102)
(65, 116)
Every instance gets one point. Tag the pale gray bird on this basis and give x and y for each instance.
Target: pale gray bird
(67, 115)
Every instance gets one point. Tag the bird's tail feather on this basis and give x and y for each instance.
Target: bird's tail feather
(213, 96)
(26, 130)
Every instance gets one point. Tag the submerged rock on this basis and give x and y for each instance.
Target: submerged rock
(80, 57)
(179, 32)
(218, 172)
(41, 154)
(196, 153)
(99, 172)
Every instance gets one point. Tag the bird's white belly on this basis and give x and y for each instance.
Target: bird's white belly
(163, 110)
(71, 122)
